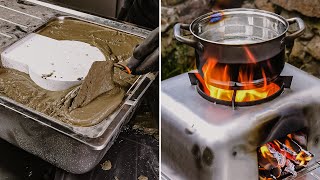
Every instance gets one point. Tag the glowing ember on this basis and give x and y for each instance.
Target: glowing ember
(215, 73)
(283, 157)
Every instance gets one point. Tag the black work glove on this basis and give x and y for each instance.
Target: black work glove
(146, 55)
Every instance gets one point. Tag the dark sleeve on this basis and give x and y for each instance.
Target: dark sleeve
(144, 13)
(125, 9)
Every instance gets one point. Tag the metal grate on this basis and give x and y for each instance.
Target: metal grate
(282, 81)
(310, 173)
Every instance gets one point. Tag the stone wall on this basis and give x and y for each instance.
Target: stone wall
(304, 53)
(178, 58)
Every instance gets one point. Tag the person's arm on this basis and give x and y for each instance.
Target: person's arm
(146, 56)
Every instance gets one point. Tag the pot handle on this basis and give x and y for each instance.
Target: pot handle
(190, 42)
(299, 32)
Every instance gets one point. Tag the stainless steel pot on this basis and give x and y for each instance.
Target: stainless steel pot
(240, 38)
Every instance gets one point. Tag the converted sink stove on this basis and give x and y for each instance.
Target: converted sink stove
(206, 140)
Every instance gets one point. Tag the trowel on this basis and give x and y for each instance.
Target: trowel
(144, 59)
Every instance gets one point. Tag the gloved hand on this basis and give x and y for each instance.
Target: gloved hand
(146, 55)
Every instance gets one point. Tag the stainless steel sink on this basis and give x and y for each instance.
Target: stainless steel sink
(105, 8)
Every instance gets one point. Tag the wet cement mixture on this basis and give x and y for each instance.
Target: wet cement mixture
(116, 46)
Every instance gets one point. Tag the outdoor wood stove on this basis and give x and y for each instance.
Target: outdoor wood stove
(240, 57)
(206, 140)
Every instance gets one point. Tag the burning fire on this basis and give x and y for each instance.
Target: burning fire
(283, 157)
(213, 71)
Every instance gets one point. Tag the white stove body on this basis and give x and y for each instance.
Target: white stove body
(203, 140)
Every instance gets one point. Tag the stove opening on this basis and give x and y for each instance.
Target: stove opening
(283, 157)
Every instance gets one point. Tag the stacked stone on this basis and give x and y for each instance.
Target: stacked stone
(176, 57)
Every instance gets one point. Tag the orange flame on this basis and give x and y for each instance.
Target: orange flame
(215, 72)
(265, 151)
(303, 158)
(264, 178)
